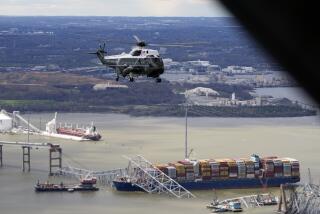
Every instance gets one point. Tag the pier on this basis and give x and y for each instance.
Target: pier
(55, 154)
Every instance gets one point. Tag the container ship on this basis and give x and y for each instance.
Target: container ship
(85, 185)
(252, 172)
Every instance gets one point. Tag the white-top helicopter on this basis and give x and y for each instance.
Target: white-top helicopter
(140, 61)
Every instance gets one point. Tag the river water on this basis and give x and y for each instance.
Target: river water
(160, 140)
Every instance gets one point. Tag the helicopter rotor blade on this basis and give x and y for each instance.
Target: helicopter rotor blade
(142, 43)
(181, 44)
(171, 45)
(136, 38)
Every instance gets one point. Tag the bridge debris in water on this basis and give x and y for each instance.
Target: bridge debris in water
(140, 171)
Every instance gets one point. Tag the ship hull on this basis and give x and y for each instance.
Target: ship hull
(64, 189)
(78, 133)
(242, 183)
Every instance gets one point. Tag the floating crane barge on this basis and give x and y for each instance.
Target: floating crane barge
(85, 185)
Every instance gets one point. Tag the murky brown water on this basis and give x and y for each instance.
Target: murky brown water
(159, 140)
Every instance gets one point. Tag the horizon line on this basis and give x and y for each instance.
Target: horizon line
(117, 16)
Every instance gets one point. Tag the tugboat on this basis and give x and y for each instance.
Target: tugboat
(85, 185)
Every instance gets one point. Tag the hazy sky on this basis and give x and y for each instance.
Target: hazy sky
(112, 8)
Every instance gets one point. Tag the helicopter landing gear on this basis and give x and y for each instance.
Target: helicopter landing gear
(158, 80)
(131, 75)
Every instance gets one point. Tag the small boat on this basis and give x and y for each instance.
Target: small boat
(70, 190)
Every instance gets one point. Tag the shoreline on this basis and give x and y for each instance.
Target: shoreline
(178, 111)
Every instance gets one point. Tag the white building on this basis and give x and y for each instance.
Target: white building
(5, 121)
(234, 69)
(201, 91)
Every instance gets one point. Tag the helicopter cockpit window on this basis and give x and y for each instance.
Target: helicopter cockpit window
(136, 53)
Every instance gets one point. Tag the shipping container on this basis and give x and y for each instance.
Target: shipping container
(233, 169)
(172, 172)
(242, 169)
(163, 168)
(215, 168)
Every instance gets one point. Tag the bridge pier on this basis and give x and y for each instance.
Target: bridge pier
(283, 203)
(55, 159)
(55, 154)
(26, 158)
(1, 164)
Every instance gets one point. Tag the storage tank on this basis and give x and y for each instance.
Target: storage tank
(5, 121)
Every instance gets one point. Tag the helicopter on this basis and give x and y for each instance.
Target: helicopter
(140, 61)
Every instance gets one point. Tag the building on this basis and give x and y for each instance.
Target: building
(234, 69)
(5, 121)
(104, 86)
(201, 91)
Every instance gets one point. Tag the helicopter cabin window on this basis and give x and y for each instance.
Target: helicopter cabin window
(136, 53)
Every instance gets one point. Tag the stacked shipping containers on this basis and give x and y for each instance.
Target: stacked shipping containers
(295, 168)
(163, 168)
(257, 164)
(278, 168)
(249, 168)
(242, 172)
(286, 167)
(215, 171)
(196, 168)
(268, 167)
(205, 169)
(186, 170)
(223, 168)
(233, 169)
(190, 176)
(291, 166)
(172, 172)
(181, 171)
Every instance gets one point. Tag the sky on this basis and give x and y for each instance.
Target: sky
(209, 8)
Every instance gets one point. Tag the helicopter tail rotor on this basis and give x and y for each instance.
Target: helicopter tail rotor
(101, 50)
